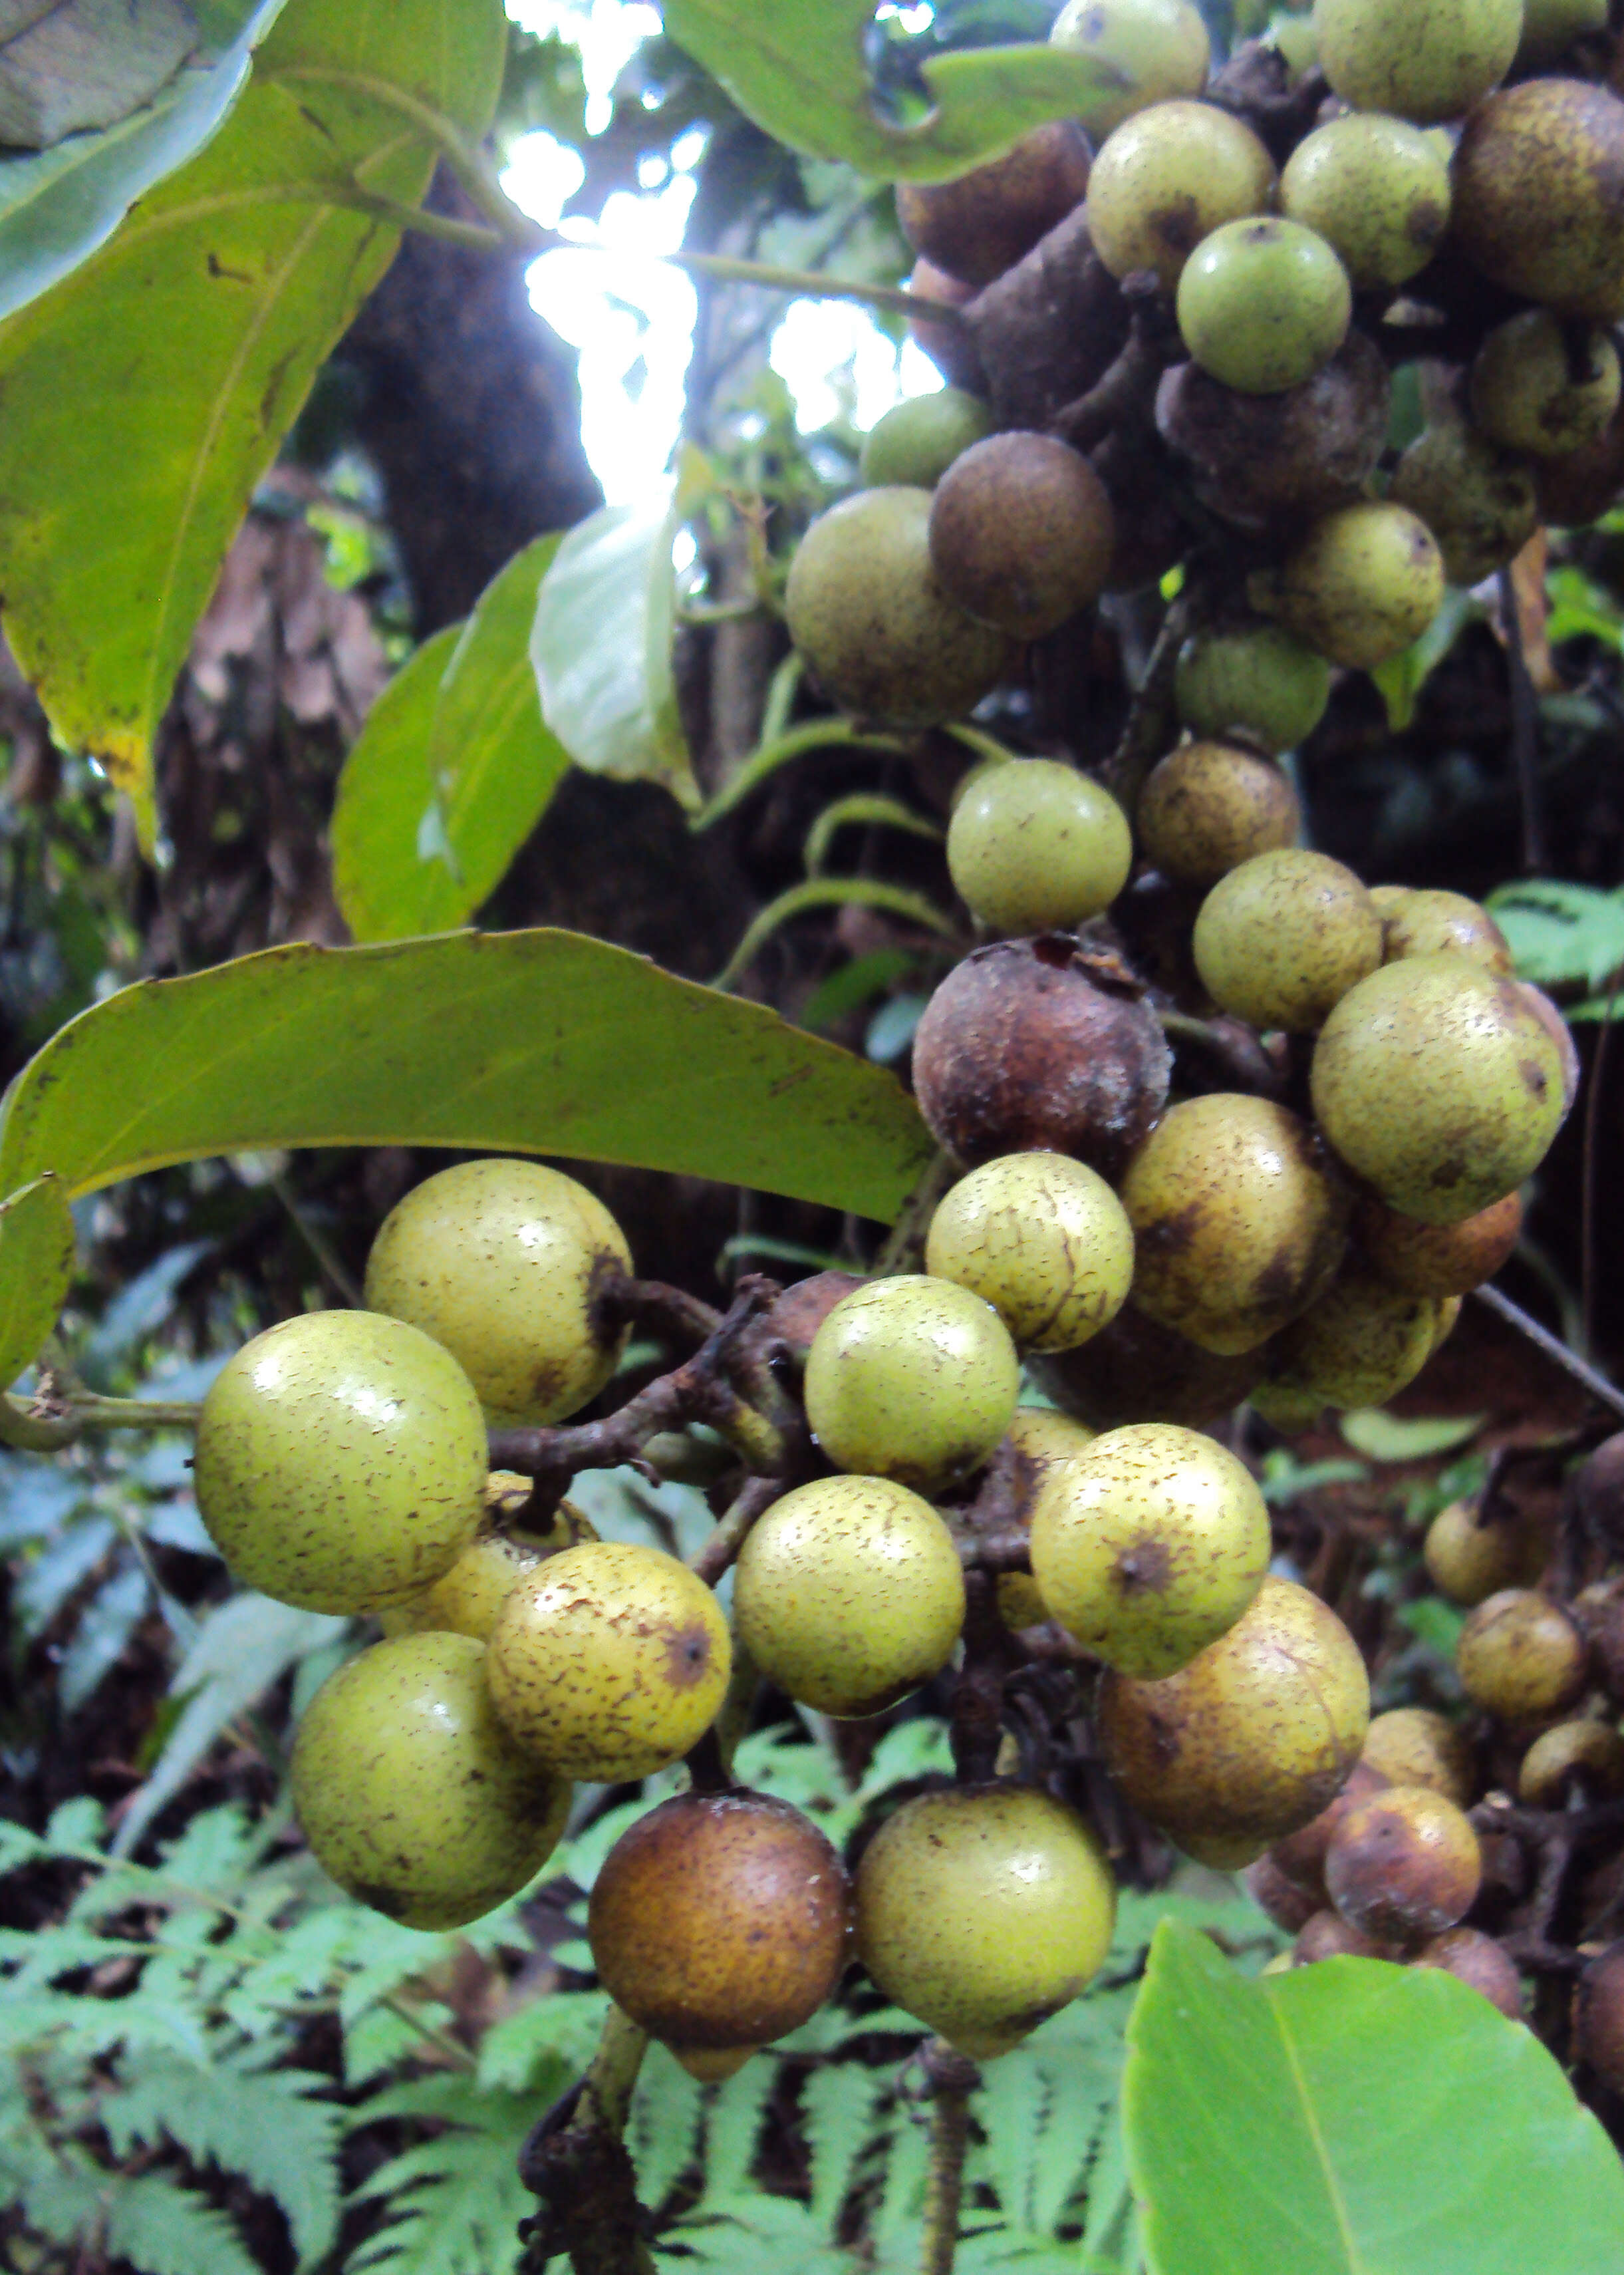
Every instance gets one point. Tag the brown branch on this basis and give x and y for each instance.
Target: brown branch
(975, 1713)
(755, 1498)
(952, 2078)
(1125, 395)
(670, 1313)
(576, 2162)
(1152, 720)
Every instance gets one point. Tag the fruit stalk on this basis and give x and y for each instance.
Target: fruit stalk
(576, 2161)
(952, 2078)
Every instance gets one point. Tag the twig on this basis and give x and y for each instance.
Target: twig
(975, 1713)
(1150, 726)
(904, 1247)
(1524, 726)
(576, 2161)
(58, 1416)
(1233, 1044)
(1557, 1351)
(755, 1498)
(671, 1313)
(1127, 392)
(952, 2078)
(458, 2056)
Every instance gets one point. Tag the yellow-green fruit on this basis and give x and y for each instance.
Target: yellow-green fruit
(1035, 846)
(503, 1263)
(1252, 1739)
(1546, 387)
(1584, 1757)
(1377, 190)
(1364, 585)
(1167, 179)
(1539, 177)
(1044, 1240)
(341, 1461)
(984, 1910)
(1256, 680)
(850, 1594)
(916, 441)
(1436, 1081)
(868, 614)
(1411, 1745)
(1153, 50)
(1479, 502)
(1236, 1224)
(466, 1599)
(1281, 940)
(1286, 1408)
(1263, 304)
(1424, 59)
(609, 1662)
(1207, 807)
(1360, 1344)
(1149, 1546)
(1469, 1560)
(412, 1794)
(1427, 923)
(1522, 1657)
(1551, 27)
(913, 1379)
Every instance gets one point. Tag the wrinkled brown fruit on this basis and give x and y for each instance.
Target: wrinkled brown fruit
(1136, 1370)
(795, 1318)
(1598, 2016)
(1472, 1957)
(981, 224)
(1263, 459)
(1279, 1899)
(1403, 1864)
(1328, 1936)
(1599, 1491)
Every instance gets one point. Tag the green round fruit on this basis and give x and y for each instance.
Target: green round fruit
(1521, 1658)
(1255, 680)
(1035, 846)
(1539, 184)
(1425, 59)
(1021, 534)
(1149, 1546)
(1551, 27)
(341, 1461)
(1167, 179)
(1404, 1865)
(1411, 1745)
(1208, 807)
(466, 1599)
(915, 442)
(1546, 387)
(1280, 940)
(869, 615)
(984, 1910)
(1362, 585)
(1044, 1240)
(1264, 304)
(913, 1379)
(1377, 190)
(1436, 1083)
(1479, 502)
(1417, 923)
(850, 1594)
(1152, 50)
(609, 1662)
(412, 1794)
(1359, 1344)
(503, 1262)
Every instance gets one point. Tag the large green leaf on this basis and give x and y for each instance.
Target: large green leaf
(146, 395)
(541, 1042)
(36, 1266)
(1354, 2118)
(797, 68)
(452, 772)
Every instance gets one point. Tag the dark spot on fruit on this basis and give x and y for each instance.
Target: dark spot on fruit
(1533, 1076)
(687, 1657)
(1144, 1570)
(1428, 222)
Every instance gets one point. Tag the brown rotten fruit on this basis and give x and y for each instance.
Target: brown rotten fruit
(1021, 534)
(1403, 1863)
(981, 224)
(1472, 1957)
(1139, 1370)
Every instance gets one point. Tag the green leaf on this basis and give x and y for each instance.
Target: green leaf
(1402, 679)
(1355, 2119)
(146, 394)
(452, 771)
(1397, 1437)
(797, 68)
(456, 2201)
(36, 1267)
(1561, 934)
(165, 2229)
(85, 64)
(541, 1042)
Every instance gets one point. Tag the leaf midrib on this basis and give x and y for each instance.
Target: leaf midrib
(1357, 2263)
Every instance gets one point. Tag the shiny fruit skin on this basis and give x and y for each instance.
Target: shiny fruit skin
(1361, 586)
(982, 1911)
(1149, 1546)
(1035, 846)
(720, 1921)
(341, 1461)
(1167, 179)
(1281, 940)
(1469, 1562)
(1137, 1370)
(466, 1599)
(501, 1261)
(1424, 923)
(1472, 1957)
(609, 1662)
(1541, 386)
(1300, 1858)
(412, 1794)
(912, 1378)
(1411, 1745)
(1436, 1082)
(1044, 1240)
(1521, 1658)
(917, 440)
(1404, 1865)
(1424, 63)
(1539, 178)
(1158, 49)
(981, 223)
(1253, 679)
(850, 1594)
(1432, 1259)
(1208, 807)
(1252, 1739)
(1264, 304)
(1377, 189)
(1021, 534)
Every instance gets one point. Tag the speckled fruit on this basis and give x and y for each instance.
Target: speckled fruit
(1021, 534)
(1361, 586)
(1237, 1226)
(980, 224)
(1479, 502)
(984, 1910)
(502, 1262)
(410, 1792)
(1263, 304)
(1377, 190)
(1598, 2016)
(1153, 50)
(609, 1662)
(1472, 1957)
(1254, 679)
(1411, 1745)
(1167, 179)
(1328, 1936)
(850, 1594)
(1034, 846)
(1430, 923)
(1522, 1657)
(1280, 1900)
(1252, 1739)
(1546, 387)
(341, 1461)
(868, 614)
(917, 440)
(1025, 1045)
(720, 1921)
(1436, 1082)
(1538, 194)
(1427, 62)
(1470, 1560)
(913, 1379)
(1439, 1259)
(1404, 1865)
(1149, 1546)
(1044, 1240)
(1585, 1758)
(1281, 940)
(1551, 27)
(466, 1599)
(1358, 1344)
(1300, 1858)
(1208, 807)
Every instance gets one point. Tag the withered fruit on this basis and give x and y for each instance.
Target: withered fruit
(1021, 534)
(1152, 51)
(1598, 2016)
(1425, 63)
(1479, 501)
(1472, 1957)
(1412, 1745)
(1439, 1259)
(1404, 1865)
(1327, 1935)
(1207, 807)
(1279, 1899)
(1263, 304)
(1358, 1344)
(1300, 1858)
(1268, 460)
(1584, 1757)
(1377, 189)
(799, 1313)
(1470, 1558)
(1599, 1488)
(1543, 386)
(1139, 1370)
(1167, 179)
(1522, 1657)
(1428, 923)
(1539, 192)
(1281, 940)
(1364, 585)
(981, 224)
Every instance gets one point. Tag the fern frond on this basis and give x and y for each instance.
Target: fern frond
(549, 2037)
(665, 2126)
(907, 2159)
(838, 2103)
(1015, 2107)
(165, 2229)
(747, 2235)
(733, 2130)
(457, 2199)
